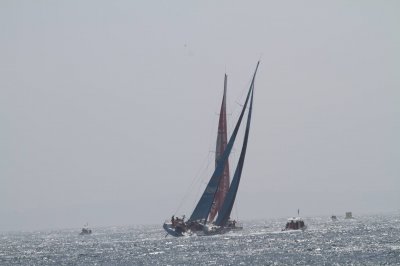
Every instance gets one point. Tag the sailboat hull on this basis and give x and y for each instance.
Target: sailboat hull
(173, 231)
(218, 230)
(203, 231)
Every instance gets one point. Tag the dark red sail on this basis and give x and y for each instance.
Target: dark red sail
(223, 186)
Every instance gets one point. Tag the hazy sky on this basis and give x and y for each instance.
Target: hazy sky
(108, 109)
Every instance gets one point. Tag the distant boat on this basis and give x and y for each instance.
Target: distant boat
(219, 196)
(85, 230)
(295, 223)
(349, 215)
(334, 218)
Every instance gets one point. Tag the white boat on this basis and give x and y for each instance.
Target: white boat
(349, 215)
(295, 223)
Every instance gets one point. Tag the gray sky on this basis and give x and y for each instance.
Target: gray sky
(108, 110)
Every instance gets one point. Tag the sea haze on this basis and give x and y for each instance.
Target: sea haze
(366, 240)
(108, 109)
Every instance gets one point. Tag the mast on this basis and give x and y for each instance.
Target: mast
(225, 211)
(220, 147)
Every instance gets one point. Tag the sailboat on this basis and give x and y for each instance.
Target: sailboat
(219, 196)
(86, 230)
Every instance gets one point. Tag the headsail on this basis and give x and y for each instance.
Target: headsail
(220, 147)
(203, 207)
(226, 209)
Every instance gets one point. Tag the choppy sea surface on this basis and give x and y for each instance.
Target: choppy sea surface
(365, 240)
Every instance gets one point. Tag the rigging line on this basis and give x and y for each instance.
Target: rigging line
(261, 55)
(236, 109)
(241, 95)
(200, 176)
(194, 181)
(197, 177)
(188, 192)
(236, 211)
(203, 181)
(241, 105)
(211, 147)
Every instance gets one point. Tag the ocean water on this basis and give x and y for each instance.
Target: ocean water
(365, 240)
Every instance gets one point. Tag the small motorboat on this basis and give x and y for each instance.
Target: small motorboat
(85, 230)
(295, 223)
(349, 215)
(334, 218)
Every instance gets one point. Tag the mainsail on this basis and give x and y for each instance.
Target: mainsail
(220, 147)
